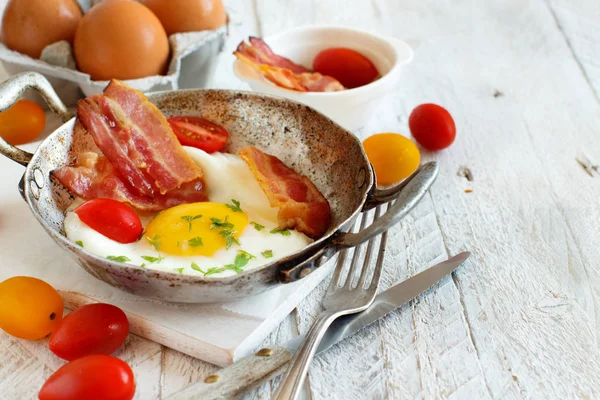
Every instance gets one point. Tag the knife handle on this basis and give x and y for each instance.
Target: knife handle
(238, 378)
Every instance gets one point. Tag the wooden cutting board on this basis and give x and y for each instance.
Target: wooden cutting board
(217, 333)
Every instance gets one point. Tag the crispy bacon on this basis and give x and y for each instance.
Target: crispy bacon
(282, 71)
(137, 139)
(301, 205)
(93, 176)
(261, 53)
(138, 160)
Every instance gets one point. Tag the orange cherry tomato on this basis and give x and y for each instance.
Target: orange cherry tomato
(348, 66)
(92, 329)
(113, 219)
(432, 126)
(29, 307)
(393, 156)
(22, 123)
(95, 377)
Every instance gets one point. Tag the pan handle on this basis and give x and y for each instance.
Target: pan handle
(10, 92)
(407, 195)
(410, 192)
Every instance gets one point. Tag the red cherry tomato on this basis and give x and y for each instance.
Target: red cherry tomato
(432, 126)
(91, 329)
(95, 377)
(113, 219)
(349, 67)
(199, 132)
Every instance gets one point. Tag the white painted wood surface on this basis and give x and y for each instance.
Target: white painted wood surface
(521, 319)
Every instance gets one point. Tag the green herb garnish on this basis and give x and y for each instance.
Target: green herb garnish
(118, 258)
(210, 271)
(229, 238)
(241, 260)
(267, 253)
(195, 242)
(284, 232)
(151, 259)
(190, 219)
(154, 242)
(79, 243)
(219, 223)
(180, 270)
(143, 265)
(213, 270)
(235, 207)
(257, 226)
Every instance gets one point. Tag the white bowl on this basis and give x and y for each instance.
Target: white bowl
(350, 108)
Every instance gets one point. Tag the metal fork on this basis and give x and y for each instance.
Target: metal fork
(342, 298)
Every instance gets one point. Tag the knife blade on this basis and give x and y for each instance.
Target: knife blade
(266, 364)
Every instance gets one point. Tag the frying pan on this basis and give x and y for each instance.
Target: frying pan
(304, 139)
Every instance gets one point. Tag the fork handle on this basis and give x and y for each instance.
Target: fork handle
(296, 373)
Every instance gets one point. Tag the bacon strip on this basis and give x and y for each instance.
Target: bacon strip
(282, 71)
(93, 176)
(301, 205)
(137, 139)
(261, 53)
(138, 159)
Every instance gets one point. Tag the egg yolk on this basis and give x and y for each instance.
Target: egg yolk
(393, 156)
(195, 229)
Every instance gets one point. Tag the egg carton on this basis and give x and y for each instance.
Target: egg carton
(193, 62)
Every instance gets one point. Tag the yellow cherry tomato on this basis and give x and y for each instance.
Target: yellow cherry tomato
(394, 157)
(22, 123)
(29, 307)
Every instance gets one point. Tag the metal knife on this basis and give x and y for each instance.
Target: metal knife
(266, 364)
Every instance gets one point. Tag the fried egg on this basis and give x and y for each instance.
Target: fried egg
(236, 230)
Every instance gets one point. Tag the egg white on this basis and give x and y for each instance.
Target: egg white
(227, 177)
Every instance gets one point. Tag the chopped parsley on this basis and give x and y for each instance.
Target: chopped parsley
(180, 270)
(219, 223)
(190, 219)
(195, 242)
(118, 258)
(143, 265)
(229, 238)
(284, 232)
(195, 267)
(235, 207)
(79, 243)
(154, 242)
(241, 260)
(210, 271)
(267, 253)
(178, 243)
(257, 226)
(213, 270)
(151, 259)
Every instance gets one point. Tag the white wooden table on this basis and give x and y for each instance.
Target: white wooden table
(521, 319)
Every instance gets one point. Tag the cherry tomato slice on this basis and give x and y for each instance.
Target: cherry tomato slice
(95, 377)
(349, 67)
(29, 307)
(432, 126)
(199, 132)
(113, 219)
(22, 123)
(92, 329)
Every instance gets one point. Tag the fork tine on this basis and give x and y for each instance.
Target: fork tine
(367, 261)
(339, 267)
(379, 263)
(356, 255)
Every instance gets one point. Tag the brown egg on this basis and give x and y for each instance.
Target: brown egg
(188, 15)
(30, 25)
(120, 39)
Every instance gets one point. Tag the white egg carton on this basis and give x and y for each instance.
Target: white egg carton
(193, 62)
